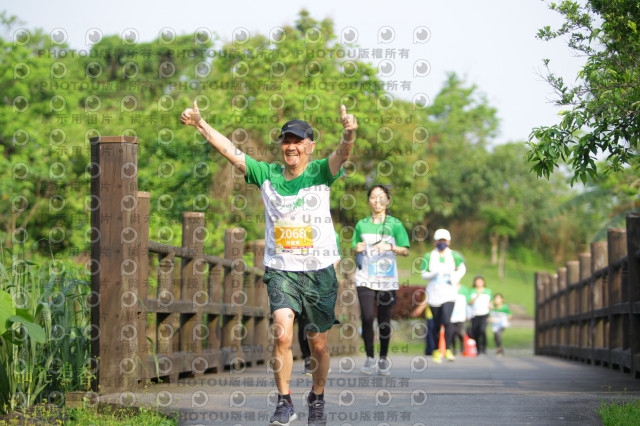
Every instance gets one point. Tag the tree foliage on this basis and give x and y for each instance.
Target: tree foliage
(436, 158)
(603, 107)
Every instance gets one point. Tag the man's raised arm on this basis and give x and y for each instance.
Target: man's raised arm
(192, 117)
(342, 154)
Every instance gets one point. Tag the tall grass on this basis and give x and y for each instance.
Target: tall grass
(620, 413)
(45, 350)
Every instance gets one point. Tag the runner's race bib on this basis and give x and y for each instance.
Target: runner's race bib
(443, 279)
(382, 268)
(500, 320)
(293, 237)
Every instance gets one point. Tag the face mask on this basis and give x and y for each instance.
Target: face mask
(442, 246)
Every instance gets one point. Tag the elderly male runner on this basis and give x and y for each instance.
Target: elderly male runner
(300, 246)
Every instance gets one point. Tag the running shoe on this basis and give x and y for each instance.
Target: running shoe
(317, 415)
(384, 366)
(307, 366)
(369, 366)
(436, 356)
(284, 414)
(448, 355)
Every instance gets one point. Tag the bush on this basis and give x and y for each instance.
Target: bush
(407, 298)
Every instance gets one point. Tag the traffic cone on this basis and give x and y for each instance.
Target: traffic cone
(469, 347)
(442, 345)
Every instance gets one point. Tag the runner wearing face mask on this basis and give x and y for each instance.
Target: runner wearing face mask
(443, 268)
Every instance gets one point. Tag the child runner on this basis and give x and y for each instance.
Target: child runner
(480, 302)
(500, 317)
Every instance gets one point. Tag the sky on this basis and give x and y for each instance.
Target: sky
(490, 44)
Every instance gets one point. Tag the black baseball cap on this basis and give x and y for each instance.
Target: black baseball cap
(298, 128)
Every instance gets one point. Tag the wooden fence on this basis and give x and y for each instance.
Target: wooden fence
(590, 309)
(204, 314)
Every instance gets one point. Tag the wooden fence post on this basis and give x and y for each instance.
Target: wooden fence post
(142, 230)
(114, 186)
(247, 298)
(232, 328)
(561, 300)
(213, 321)
(633, 282)
(349, 296)
(584, 306)
(548, 312)
(538, 313)
(192, 273)
(617, 245)
(573, 277)
(165, 329)
(554, 313)
(598, 261)
(261, 299)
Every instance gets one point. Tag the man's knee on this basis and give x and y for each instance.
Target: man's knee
(319, 347)
(318, 342)
(283, 340)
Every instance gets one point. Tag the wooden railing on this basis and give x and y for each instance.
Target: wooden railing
(590, 309)
(204, 314)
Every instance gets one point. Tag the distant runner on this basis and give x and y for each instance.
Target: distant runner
(443, 268)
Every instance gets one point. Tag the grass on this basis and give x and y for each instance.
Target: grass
(404, 342)
(623, 413)
(44, 350)
(517, 286)
(79, 417)
(105, 416)
(514, 338)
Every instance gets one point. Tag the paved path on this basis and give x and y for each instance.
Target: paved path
(487, 390)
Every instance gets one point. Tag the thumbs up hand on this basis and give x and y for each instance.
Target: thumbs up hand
(191, 116)
(349, 122)
(343, 152)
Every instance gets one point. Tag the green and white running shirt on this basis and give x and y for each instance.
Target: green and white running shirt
(379, 271)
(443, 270)
(299, 233)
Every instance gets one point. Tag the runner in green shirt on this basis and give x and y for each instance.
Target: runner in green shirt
(300, 246)
(378, 239)
(499, 319)
(480, 302)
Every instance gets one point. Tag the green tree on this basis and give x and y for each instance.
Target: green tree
(462, 123)
(53, 101)
(603, 107)
(511, 197)
(435, 158)
(246, 89)
(605, 200)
